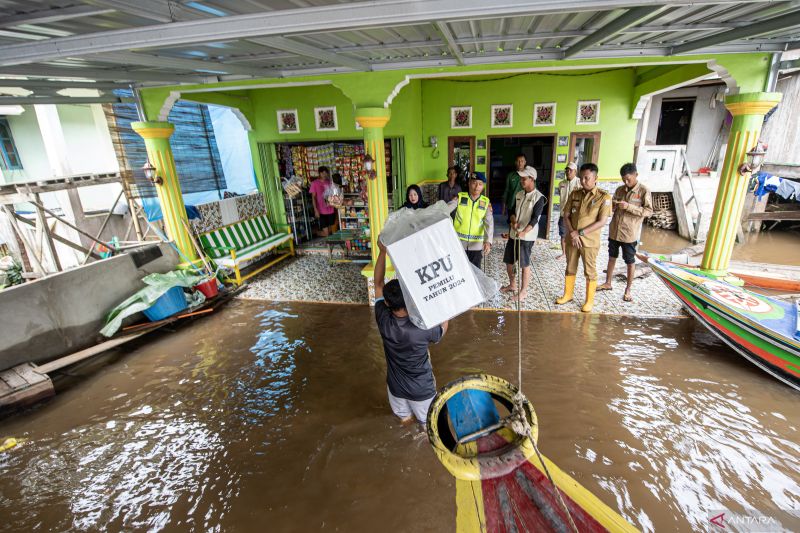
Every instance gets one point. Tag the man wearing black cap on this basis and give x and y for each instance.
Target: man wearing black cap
(473, 222)
(409, 374)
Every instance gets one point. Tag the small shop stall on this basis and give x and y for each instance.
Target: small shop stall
(299, 163)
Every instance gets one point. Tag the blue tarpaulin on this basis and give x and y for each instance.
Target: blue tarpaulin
(237, 164)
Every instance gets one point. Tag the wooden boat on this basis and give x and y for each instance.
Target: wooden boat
(501, 483)
(753, 277)
(764, 330)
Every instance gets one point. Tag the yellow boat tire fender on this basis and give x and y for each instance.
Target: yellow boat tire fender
(465, 462)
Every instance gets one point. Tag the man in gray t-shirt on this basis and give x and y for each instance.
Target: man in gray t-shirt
(409, 374)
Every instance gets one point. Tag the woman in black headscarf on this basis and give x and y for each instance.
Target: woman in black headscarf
(414, 198)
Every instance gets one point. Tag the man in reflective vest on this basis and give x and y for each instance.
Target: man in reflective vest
(473, 221)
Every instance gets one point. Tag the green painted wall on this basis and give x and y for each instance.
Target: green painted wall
(405, 120)
(422, 106)
(614, 89)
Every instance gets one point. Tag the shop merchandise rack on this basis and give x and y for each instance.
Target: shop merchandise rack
(297, 216)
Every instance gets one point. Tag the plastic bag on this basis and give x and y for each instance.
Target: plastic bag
(437, 279)
(333, 195)
(155, 286)
(10, 272)
(292, 186)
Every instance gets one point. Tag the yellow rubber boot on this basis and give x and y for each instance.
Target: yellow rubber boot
(569, 289)
(591, 286)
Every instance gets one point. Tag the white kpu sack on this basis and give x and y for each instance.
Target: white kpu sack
(437, 279)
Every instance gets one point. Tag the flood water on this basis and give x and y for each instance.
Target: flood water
(776, 247)
(274, 417)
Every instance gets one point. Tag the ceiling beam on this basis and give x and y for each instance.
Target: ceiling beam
(157, 10)
(55, 84)
(47, 71)
(623, 22)
(334, 17)
(447, 35)
(752, 30)
(46, 16)
(306, 50)
(483, 39)
(33, 100)
(132, 58)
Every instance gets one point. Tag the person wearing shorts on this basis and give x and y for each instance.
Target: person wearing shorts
(409, 374)
(632, 203)
(528, 206)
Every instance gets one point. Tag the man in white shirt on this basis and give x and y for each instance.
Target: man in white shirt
(528, 206)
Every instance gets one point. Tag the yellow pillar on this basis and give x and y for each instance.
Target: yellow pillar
(373, 120)
(748, 112)
(156, 139)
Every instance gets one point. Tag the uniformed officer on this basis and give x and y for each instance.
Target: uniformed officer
(473, 221)
(631, 203)
(589, 208)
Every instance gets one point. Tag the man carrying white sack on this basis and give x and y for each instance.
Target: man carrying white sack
(474, 220)
(528, 206)
(409, 374)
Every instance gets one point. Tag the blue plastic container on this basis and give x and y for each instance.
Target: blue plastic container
(168, 304)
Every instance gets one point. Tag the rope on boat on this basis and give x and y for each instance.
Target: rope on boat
(519, 423)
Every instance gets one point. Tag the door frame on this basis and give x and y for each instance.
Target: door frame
(553, 136)
(575, 135)
(462, 138)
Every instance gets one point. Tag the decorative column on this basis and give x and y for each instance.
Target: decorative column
(156, 138)
(373, 120)
(748, 112)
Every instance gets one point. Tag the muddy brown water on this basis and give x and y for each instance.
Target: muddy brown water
(777, 247)
(273, 416)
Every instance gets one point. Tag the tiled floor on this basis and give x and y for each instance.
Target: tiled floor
(313, 278)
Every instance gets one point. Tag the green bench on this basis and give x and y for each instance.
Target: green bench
(243, 243)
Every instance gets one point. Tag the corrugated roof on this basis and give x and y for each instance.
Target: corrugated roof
(197, 40)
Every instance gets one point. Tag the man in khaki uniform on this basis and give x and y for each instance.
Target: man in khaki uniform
(588, 209)
(631, 203)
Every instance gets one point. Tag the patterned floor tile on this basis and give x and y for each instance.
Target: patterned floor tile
(311, 277)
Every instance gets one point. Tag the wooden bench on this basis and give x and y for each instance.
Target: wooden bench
(245, 242)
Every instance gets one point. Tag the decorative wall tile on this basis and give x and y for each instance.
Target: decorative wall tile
(502, 116)
(544, 114)
(325, 118)
(461, 117)
(242, 207)
(288, 121)
(588, 112)
(251, 205)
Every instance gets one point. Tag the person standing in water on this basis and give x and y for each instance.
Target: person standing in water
(631, 203)
(409, 374)
(588, 209)
(528, 206)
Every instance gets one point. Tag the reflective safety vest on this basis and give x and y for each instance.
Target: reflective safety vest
(470, 217)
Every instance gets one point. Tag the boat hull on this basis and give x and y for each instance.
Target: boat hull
(761, 329)
(502, 483)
